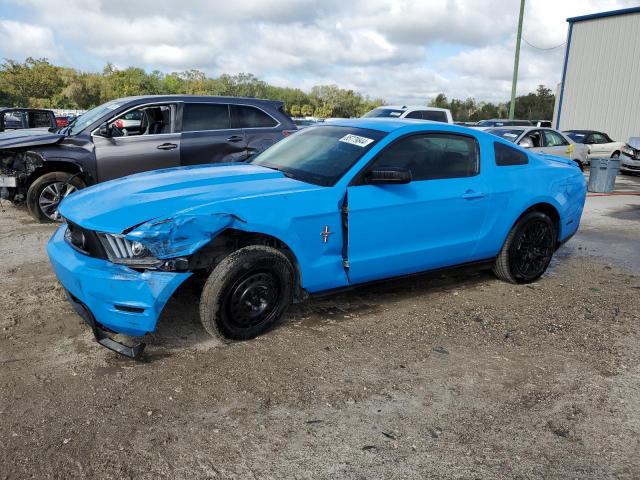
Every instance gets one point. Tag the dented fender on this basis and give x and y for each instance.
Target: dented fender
(181, 235)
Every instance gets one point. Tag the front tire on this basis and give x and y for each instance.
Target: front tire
(247, 293)
(528, 249)
(46, 193)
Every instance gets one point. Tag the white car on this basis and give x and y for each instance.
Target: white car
(630, 157)
(416, 112)
(544, 140)
(599, 145)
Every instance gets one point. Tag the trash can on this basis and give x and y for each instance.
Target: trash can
(602, 174)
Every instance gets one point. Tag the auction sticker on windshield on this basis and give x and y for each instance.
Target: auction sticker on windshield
(356, 140)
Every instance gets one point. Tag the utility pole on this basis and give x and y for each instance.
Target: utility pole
(514, 83)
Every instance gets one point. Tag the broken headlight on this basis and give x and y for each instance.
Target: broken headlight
(631, 152)
(123, 251)
(135, 254)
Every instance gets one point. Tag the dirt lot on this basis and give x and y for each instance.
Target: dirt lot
(446, 377)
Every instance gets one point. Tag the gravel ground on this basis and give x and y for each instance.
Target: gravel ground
(458, 376)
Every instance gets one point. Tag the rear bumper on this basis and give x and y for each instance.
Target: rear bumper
(115, 297)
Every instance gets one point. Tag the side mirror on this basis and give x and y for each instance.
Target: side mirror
(105, 130)
(526, 142)
(388, 175)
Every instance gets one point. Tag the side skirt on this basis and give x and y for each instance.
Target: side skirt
(461, 268)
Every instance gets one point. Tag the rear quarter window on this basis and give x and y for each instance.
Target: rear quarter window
(244, 116)
(508, 156)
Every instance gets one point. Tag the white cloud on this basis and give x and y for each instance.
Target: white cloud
(21, 40)
(394, 49)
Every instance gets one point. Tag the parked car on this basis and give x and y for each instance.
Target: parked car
(630, 157)
(415, 112)
(304, 122)
(544, 140)
(26, 118)
(108, 142)
(598, 144)
(333, 206)
(500, 122)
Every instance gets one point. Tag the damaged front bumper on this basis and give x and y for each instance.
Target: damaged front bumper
(112, 297)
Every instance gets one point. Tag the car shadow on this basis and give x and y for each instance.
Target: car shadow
(179, 325)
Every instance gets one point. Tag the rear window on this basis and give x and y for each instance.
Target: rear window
(433, 115)
(508, 156)
(244, 116)
(198, 117)
(384, 112)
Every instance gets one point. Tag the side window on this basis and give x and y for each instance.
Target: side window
(599, 138)
(535, 137)
(433, 156)
(149, 120)
(39, 120)
(197, 117)
(508, 156)
(552, 139)
(244, 116)
(434, 115)
(417, 114)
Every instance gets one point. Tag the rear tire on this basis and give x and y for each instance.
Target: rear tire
(46, 193)
(247, 293)
(528, 249)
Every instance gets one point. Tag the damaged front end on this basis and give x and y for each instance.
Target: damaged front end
(120, 283)
(16, 166)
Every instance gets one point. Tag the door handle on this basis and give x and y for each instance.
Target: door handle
(472, 195)
(234, 138)
(167, 146)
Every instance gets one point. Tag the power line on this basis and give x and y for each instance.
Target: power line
(541, 48)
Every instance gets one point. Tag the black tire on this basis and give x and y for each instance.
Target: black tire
(528, 249)
(615, 154)
(45, 185)
(580, 165)
(247, 293)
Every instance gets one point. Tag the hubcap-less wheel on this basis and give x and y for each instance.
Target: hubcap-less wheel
(253, 299)
(531, 250)
(51, 196)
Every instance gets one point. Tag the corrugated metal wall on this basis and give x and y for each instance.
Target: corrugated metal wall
(602, 82)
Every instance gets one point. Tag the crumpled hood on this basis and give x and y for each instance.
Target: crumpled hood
(121, 204)
(634, 142)
(28, 138)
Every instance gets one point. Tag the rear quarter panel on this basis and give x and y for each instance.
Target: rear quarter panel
(515, 189)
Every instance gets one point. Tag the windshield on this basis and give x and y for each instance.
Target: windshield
(510, 134)
(320, 155)
(87, 118)
(384, 112)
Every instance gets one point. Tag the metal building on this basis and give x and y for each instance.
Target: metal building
(600, 87)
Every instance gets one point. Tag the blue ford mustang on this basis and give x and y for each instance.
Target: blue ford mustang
(331, 206)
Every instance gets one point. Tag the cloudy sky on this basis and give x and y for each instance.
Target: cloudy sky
(399, 50)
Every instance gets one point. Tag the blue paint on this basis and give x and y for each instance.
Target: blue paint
(611, 13)
(393, 229)
(564, 75)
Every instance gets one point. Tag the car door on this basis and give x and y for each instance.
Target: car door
(433, 221)
(208, 136)
(600, 146)
(555, 144)
(260, 129)
(156, 144)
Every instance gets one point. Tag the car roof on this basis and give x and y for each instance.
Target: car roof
(199, 98)
(390, 124)
(412, 107)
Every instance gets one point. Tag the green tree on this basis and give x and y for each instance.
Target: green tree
(295, 110)
(306, 110)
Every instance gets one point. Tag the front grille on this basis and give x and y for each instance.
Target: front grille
(85, 241)
(631, 167)
(116, 246)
